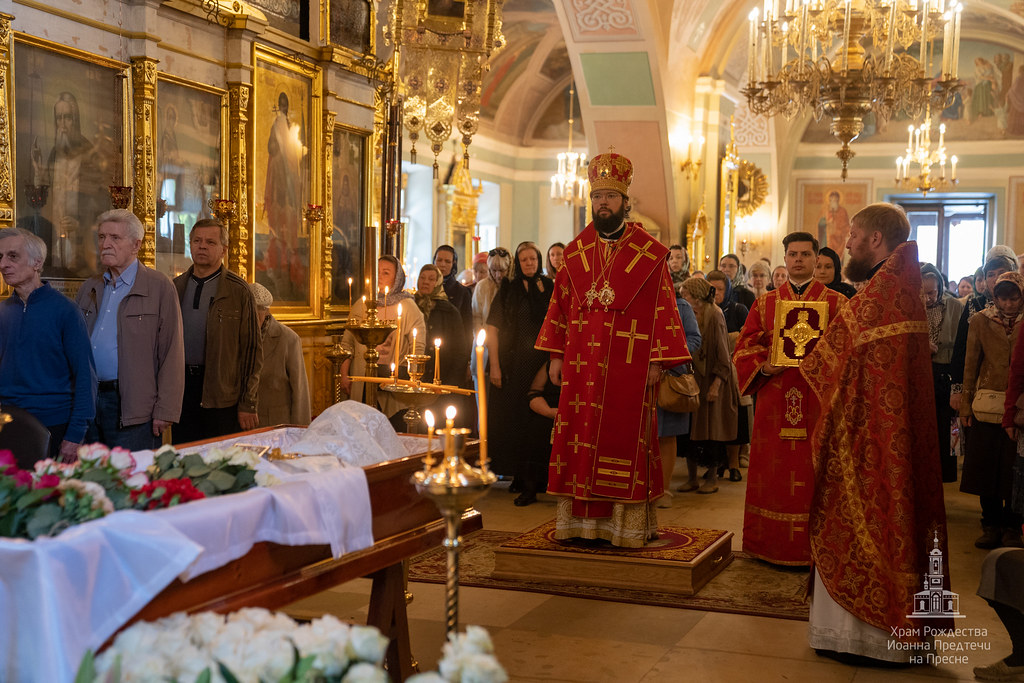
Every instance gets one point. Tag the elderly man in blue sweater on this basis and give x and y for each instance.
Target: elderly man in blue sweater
(46, 365)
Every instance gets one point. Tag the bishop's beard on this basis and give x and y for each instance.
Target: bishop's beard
(608, 225)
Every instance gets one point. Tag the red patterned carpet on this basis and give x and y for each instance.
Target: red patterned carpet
(746, 586)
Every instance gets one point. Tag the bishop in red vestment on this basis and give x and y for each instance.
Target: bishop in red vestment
(781, 478)
(878, 511)
(611, 326)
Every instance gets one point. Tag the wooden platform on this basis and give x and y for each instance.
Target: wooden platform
(681, 561)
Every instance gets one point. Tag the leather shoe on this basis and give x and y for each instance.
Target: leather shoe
(516, 486)
(1012, 538)
(1000, 671)
(734, 474)
(991, 537)
(525, 498)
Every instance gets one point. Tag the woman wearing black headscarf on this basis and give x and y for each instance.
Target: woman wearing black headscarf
(458, 294)
(829, 272)
(516, 315)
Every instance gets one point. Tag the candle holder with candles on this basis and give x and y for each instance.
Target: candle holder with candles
(371, 331)
(454, 486)
(412, 395)
(337, 355)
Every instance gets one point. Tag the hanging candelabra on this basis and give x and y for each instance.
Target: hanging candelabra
(444, 53)
(570, 184)
(845, 59)
(920, 152)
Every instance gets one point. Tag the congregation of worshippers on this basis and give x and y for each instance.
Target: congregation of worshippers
(136, 359)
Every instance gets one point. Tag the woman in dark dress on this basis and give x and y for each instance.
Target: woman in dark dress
(444, 323)
(543, 396)
(516, 315)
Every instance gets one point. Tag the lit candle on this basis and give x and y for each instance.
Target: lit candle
(955, 65)
(942, 135)
(846, 37)
(428, 417)
(953, 160)
(449, 438)
(752, 57)
(899, 167)
(437, 360)
(481, 382)
(947, 38)
(350, 294)
(924, 37)
(385, 295)
(394, 375)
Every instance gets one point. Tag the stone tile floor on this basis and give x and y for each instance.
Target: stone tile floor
(552, 638)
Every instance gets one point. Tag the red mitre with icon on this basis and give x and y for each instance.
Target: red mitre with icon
(610, 171)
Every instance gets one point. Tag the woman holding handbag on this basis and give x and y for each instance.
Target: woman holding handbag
(673, 425)
(990, 455)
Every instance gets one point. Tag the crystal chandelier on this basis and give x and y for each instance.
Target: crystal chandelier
(570, 185)
(920, 152)
(847, 58)
(444, 48)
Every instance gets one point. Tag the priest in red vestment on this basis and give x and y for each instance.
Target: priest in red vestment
(781, 477)
(611, 326)
(877, 512)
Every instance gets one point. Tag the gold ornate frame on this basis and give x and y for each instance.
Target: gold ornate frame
(346, 50)
(223, 163)
(270, 64)
(333, 304)
(121, 71)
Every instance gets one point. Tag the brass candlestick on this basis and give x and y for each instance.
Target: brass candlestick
(454, 486)
(371, 331)
(413, 396)
(337, 354)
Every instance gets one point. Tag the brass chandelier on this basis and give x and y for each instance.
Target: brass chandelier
(444, 46)
(570, 184)
(847, 58)
(920, 152)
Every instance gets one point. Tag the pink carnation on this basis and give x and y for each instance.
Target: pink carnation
(48, 481)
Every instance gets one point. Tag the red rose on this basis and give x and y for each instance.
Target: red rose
(48, 481)
(22, 478)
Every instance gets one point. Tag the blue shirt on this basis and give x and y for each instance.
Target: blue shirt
(45, 364)
(104, 332)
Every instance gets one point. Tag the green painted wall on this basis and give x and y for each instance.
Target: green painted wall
(618, 79)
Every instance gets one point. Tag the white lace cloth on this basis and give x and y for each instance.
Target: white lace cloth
(61, 596)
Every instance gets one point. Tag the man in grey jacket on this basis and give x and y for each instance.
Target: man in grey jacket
(223, 351)
(134, 324)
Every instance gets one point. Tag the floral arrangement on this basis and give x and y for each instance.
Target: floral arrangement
(34, 504)
(467, 658)
(215, 472)
(247, 646)
(254, 645)
(55, 496)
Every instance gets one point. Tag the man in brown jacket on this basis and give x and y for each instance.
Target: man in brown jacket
(223, 352)
(134, 324)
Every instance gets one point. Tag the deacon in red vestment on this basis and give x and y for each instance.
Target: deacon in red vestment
(611, 326)
(877, 512)
(781, 477)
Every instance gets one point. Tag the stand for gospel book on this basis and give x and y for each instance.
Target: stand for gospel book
(681, 560)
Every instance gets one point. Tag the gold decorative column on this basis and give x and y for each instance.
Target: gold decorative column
(6, 129)
(327, 226)
(144, 170)
(239, 253)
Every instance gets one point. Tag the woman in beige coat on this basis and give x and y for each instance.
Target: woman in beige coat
(990, 454)
(390, 274)
(715, 422)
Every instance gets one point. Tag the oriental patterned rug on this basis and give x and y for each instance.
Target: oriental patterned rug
(745, 586)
